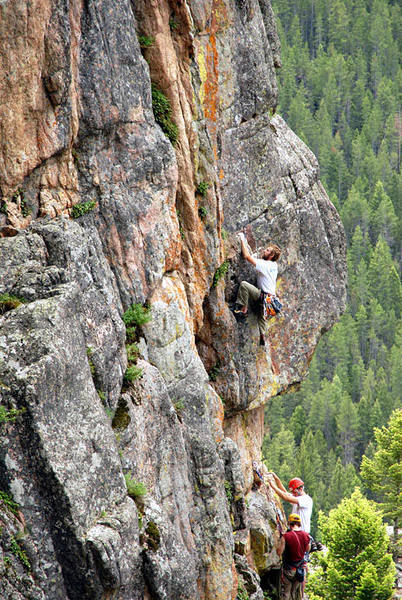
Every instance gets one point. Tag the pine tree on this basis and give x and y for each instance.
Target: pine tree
(357, 562)
(383, 472)
(341, 484)
(347, 425)
(279, 454)
(383, 278)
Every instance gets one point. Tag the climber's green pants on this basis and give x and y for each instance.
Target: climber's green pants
(248, 295)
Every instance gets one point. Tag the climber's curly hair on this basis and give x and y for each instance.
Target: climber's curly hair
(274, 250)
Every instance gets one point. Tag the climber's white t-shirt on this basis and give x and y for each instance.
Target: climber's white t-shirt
(267, 272)
(304, 508)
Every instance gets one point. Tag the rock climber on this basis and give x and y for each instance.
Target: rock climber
(302, 502)
(294, 544)
(267, 272)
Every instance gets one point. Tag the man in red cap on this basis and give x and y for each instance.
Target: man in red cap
(302, 502)
(293, 544)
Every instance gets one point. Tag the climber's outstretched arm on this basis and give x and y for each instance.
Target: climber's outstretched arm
(244, 250)
(284, 495)
(278, 482)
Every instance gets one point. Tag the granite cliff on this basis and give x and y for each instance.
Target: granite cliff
(99, 211)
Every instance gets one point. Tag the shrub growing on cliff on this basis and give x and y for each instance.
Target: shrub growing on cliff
(9, 416)
(9, 302)
(8, 503)
(214, 371)
(82, 208)
(20, 553)
(202, 212)
(145, 41)
(132, 373)
(137, 314)
(163, 114)
(202, 188)
(135, 489)
(220, 273)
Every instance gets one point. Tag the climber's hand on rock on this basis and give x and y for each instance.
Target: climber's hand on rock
(242, 236)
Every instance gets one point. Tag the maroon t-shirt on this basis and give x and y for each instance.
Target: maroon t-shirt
(296, 544)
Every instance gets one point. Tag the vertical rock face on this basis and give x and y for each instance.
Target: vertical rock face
(144, 489)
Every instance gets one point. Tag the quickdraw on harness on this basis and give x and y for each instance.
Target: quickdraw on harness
(270, 305)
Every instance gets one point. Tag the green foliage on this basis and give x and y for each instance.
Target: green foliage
(163, 114)
(132, 373)
(82, 208)
(9, 503)
(224, 234)
(121, 418)
(242, 593)
(202, 188)
(75, 155)
(339, 89)
(214, 371)
(132, 352)
(357, 564)
(145, 41)
(383, 472)
(18, 198)
(10, 415)
(137, 315)
(179, 406)
(135, 489)
(229, 491)
(7, 562)
(153, 536)
(220, 273)
(90, 352)
(9, 302)
(20, 553)
(181, 228)
(109, 412)
(202, 212)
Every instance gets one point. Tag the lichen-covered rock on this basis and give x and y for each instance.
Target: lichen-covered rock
(157, 224)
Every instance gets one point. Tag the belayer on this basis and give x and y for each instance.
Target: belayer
(294, 545)
(263, 296)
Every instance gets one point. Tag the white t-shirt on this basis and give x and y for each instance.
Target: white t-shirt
(267, 272)
(304, 508)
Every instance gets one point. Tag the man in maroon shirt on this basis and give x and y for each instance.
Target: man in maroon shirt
(293, 544)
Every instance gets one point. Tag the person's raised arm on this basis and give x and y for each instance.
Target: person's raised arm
(278, 482)
(284, 495)
(244, 250)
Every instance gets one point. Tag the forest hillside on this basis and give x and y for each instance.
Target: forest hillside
(340, 90)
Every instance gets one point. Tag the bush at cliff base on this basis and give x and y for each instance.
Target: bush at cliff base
(357, 565)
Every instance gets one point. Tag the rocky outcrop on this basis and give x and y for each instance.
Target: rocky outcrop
(142, 487)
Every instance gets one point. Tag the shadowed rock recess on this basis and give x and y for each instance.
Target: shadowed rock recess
(111, 489)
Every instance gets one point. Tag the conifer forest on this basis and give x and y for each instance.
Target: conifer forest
(340, 91)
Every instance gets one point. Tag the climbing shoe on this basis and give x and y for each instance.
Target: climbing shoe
(238, 313)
